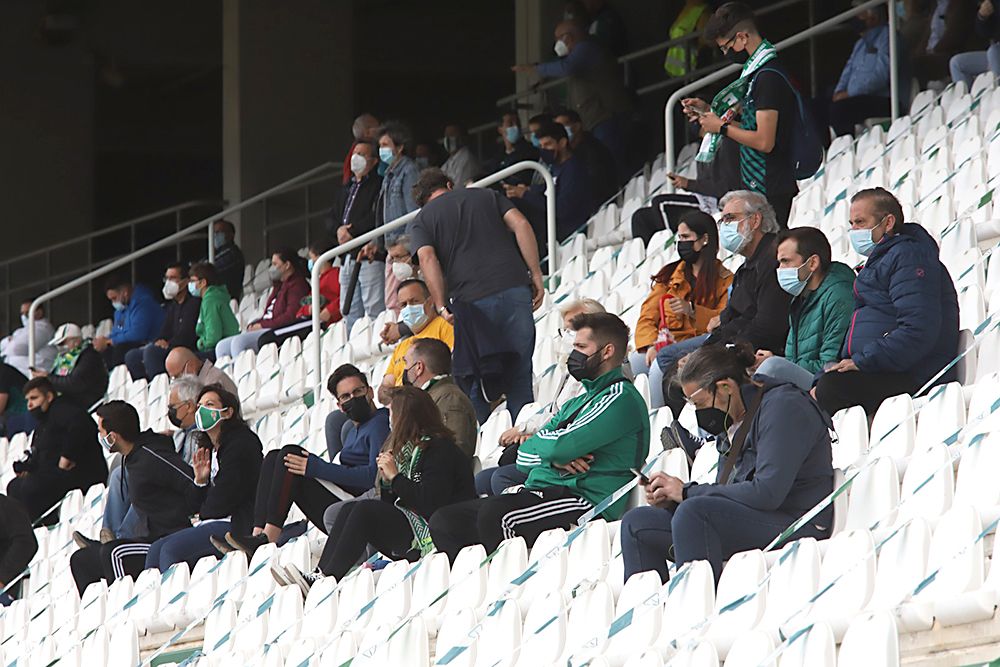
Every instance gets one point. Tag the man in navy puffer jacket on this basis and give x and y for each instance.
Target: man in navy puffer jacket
(905, 324)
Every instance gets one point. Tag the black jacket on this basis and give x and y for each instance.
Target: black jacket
(87, 383)
(443, 476)
(230, 265)
(522, 151)
(362, 214)
(66, 430)
(719, 176)
(17, 539)
(232, 491)
(600, 164)
(757, 311)
(179, 322)
(159, 484)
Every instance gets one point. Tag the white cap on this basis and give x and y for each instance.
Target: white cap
(68, 330)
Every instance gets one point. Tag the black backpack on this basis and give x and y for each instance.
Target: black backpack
(806, 148)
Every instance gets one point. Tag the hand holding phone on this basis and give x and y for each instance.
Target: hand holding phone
(643, 480)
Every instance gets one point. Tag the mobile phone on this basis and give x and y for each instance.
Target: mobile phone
(641, 475)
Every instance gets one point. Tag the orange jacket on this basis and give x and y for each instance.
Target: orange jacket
(681, 326)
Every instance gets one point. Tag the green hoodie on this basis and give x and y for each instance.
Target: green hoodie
(215, 319)
(613, 425)
(819, 320)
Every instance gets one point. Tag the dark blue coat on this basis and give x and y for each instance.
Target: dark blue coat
(906, 309)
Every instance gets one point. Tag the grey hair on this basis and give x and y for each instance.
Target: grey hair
(589, 306)
(362, 123)
(187, 386)
(403, 240)
(754, 202)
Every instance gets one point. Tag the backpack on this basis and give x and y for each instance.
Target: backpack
(805, 147)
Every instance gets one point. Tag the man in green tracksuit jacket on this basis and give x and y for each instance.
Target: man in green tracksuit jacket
(579, 458)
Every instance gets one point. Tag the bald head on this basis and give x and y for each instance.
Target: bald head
(181, 361)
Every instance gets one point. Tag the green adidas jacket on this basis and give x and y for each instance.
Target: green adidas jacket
(819, 320)
(215, 319)
(613, 425)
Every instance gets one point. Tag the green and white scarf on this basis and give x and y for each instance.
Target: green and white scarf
(65, 361)
(406, 461)
(725, 103)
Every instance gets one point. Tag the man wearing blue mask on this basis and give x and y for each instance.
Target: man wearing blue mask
(904, 328)
(515, 146)
(229, 262)
(416, 310)
(137, 319)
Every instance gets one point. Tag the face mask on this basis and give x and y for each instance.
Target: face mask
(451, 144)
(310, 264)
(561, 49)
(218, 240)
(402, 270)
(24, 320)
(731, 238)
(547, 156)
(580, 365)
(687, 252)
(274, 273)
(386, 155)
(206, 418)
(407, 382)
(358, 164)
(173, 418)
(862, 241)
(512, 134)
(422, 162)
(534, 140)
(38, 413)
(171, 288)
(414, 317)
(788, 280)
(358, 409)
(569, 132)
(192, 289)
(117, 305)
(712, 420)
(737, 57)
(105, 441)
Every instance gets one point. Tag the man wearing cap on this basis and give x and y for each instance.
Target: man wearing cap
(78, 373)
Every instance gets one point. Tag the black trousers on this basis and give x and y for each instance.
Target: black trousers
(782, 207)
(836, 391)
(110, 561)
(359, 524)
(277, 489)
(846, 113)
(38, 492)
(114, 355)
(489, 521)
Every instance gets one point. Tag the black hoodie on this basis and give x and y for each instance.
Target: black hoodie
(159, 484)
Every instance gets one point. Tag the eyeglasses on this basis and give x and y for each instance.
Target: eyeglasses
(690, 399)
(729, 44)
(358, 392)
(729, 219)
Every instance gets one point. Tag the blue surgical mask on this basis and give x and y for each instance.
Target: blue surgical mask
(513, 134)
(386, 155)
(414, 317)
(24, 320)
(192, 290)
(569, 132)
(534, 140)
(218, 240)
(731, 238)
(788, 280)
(862, 241)
(118, 305)
(310, 264)
(105, 441)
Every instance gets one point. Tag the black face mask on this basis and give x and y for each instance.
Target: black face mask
(738, 57)
(358, 409)
(687, 252)
(580, 365)
(713, 420)
(173, 418)
(407, 382)
(38, 414)
(547, 156)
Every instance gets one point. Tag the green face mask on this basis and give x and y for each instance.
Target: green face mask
(206, 418)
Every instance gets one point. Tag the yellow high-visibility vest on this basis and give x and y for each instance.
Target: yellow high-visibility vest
(676, 63)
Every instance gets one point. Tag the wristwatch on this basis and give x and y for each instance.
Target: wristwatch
(724, 130)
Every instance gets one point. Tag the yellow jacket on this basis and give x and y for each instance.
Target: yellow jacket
(681, 326)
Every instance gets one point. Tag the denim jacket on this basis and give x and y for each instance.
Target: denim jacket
(396, 196)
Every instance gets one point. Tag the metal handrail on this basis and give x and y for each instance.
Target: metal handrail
(668, 109)
(206, 223)
(333, 253)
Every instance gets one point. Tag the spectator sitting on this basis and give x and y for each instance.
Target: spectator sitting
(229, 262)
(594, 155)
(863, 89)
(575, 461)
(685, 296)
(427, 366)
(352, 215)
(78, 372)
(516, 148)
(535, 123)
(64, 452)
(420, 317)
(479, 256)
(948, 33)
(574, 198)
(182, 404)
(691, 18)
(226, 467)
(776, 468)
(182, 361)
(293, 475)
(420, 471)
(365, 130)
(14, 416)
(396, 198)
(967, 66)
(905, 324)
(290, 287)
(329, 292)
(17, 545)
(14, 348)
(148, 497)
(461, 165)
(820, 311)
(215, 316)
(400, 262)
(137, 319)
(178, 329)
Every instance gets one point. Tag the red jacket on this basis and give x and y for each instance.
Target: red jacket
(329, 288)
(284, 302)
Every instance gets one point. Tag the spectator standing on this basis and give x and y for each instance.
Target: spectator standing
(137, 320)
(17, 544)
(352, 215)
(515, 148)
(182, 361)
(606, 26)
(396, 198)
(14, 348)
(215, 316)
(475, 248)
(64, 452)
(967, 66)
(178, 329)
(290, 287)
(905, 324)
(461, 165)
(863, 89)
(691, 18)
(820, 311)
(229, 260)
(595, 156)
(78, 372)
(365, 130)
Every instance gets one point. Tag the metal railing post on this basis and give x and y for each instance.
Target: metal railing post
(893, 63)
(357, 242)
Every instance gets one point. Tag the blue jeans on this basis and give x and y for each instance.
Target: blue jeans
(186, 545)
(119, 516)
(783, 370)
(231, 346)
(369, 295)
(492, 481)
(967, 66)
(146, 362)
(655, 374)
(671, 353)
(708, 528)
(510, 313)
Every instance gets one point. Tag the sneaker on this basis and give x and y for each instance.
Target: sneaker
(220, 545)
(303, 580)
(107, 535)
(248, 544)
(281, 576)
(84, 542)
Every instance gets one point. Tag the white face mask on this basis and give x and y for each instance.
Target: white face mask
(171, 289)
(24, 320)
(402, 270)
(561, 49)
(358, 164)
